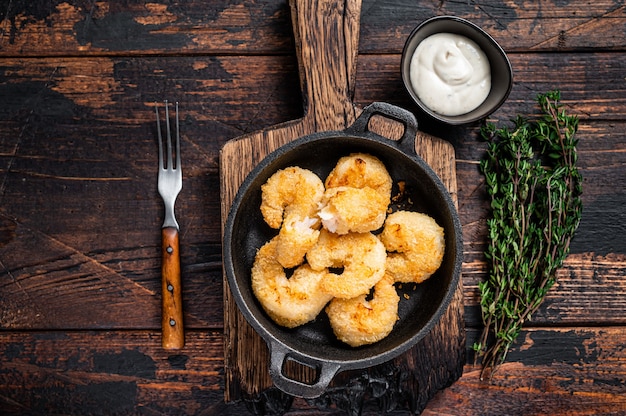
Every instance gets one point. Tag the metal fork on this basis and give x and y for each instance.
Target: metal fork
(170, 182)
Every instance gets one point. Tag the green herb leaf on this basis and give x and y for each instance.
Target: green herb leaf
(535, 189)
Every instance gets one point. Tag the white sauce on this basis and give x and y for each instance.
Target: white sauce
(450, 74)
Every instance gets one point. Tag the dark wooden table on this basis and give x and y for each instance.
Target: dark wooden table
(80, 214)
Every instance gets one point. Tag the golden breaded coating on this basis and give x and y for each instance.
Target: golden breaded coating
(290, 302)
(416, 245)
(360, 170)
(361, 255)
(289, 201)
(325, 234)
(356, 210)
(294, 239)
(359, 321)
(291, 191)
(358, 193)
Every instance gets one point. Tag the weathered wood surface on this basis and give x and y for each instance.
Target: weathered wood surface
(80, 215)
(570, 370)
(86, 154)
(60, 27)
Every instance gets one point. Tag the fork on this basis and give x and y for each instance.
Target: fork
(170, 182)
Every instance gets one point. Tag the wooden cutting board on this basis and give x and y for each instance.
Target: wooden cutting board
(326, 37)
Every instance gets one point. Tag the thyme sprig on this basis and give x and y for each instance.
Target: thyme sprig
(535, 187)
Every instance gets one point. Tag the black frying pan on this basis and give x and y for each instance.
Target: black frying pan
(314, 344)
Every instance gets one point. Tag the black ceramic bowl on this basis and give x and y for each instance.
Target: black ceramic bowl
(501, 71)
(314, 344)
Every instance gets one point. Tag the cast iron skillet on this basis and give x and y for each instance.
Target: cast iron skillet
(314, 344)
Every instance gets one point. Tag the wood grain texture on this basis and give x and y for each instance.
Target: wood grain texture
(328, 84)
(172, 329)
(570, 370)
(555, 371)
(110, 373)
(80, 214)
(60, 138)
(157, 28)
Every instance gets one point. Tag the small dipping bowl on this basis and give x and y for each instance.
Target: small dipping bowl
(501, 72)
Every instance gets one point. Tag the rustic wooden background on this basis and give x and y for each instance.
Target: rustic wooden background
(80, 214)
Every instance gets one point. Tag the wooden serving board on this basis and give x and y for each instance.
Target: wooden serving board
(326, 36)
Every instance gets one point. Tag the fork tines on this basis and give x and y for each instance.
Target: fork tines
(170, 160)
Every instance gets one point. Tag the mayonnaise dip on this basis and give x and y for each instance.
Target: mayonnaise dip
(450, 74)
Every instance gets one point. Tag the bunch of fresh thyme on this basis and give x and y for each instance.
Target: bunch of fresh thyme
(535, 187)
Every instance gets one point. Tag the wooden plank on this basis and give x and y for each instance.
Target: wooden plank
(263, 27)
(579, 76)
(112, 372)
(578, 371)
(224, 96)
(544, 25)
(574, 371)
(157, 27)
(231, 96)
(45, 279)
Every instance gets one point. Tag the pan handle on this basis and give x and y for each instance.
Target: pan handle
(326, 371)
(407, 142)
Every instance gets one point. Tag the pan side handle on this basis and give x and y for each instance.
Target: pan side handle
(326, 371)
(407, 142)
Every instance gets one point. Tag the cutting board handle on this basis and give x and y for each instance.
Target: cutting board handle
(327, 39)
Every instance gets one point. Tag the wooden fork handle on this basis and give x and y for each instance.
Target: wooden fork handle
(173, 336)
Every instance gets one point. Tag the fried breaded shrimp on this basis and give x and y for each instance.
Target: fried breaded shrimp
(358, 192)
(291, 191)
(289, 201)
(348, 209)
(359, 321)
(294, 239)
(360, 170)
(416, 245)
(290, 302)
(361, 255)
